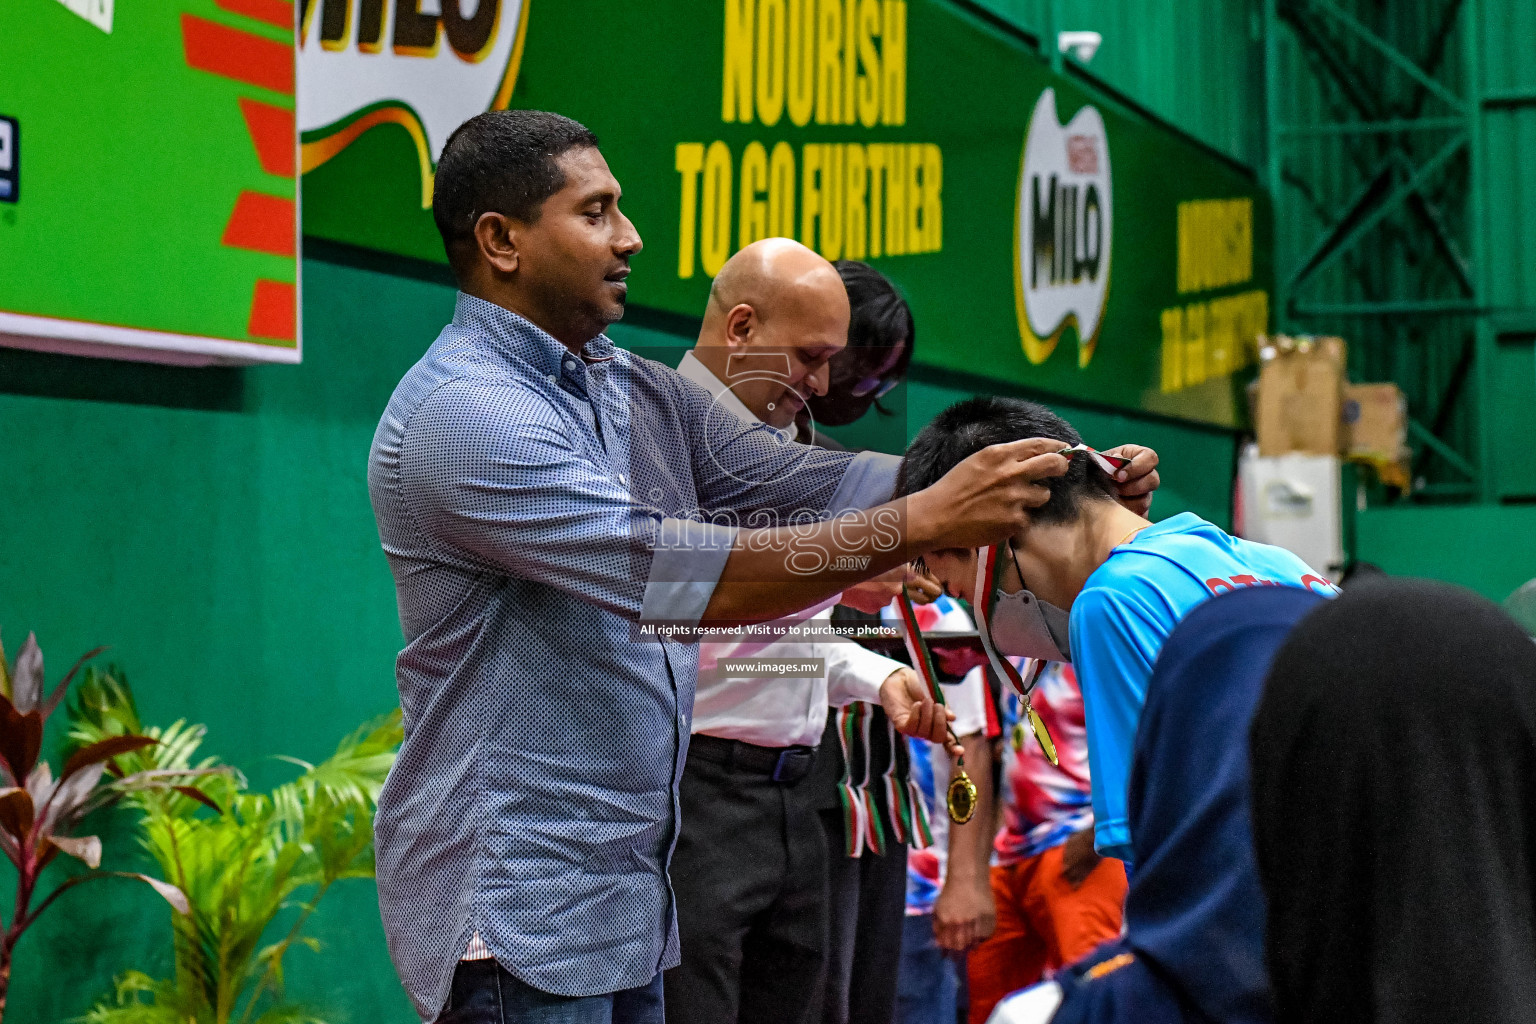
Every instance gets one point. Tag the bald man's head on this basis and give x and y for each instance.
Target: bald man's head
(777, 312)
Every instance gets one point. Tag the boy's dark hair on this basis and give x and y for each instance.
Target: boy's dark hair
(967, 427)
(879, 320)
(502, 161)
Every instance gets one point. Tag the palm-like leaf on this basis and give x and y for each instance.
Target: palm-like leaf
(265, 857)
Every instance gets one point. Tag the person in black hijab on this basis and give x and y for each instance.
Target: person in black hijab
(1193, 949)
(1394, 805)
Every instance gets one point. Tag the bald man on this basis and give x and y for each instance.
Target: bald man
(750, 868)
(777, 313)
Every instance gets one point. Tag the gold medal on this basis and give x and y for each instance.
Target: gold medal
(962, 796)
(1041, 732)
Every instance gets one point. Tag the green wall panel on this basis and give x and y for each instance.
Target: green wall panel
(1196, 63)
(1489, 548)
(225, 547)
(1512, 391)
(1507, 46)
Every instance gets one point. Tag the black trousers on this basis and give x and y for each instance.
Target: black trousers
(485, 993)
(750, 876)
(868, 901)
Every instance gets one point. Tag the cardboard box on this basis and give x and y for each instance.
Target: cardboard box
(1376, 430)
(1301, 383)
(1375, 422)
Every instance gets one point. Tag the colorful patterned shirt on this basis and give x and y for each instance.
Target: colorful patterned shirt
(1043, 803)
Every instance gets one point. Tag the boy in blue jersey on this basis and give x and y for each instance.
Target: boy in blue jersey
(1124, 581)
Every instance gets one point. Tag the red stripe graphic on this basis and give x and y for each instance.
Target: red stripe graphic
(271, 130)
(274, 311)
(242, 56)
(263, 223)
(273, 12)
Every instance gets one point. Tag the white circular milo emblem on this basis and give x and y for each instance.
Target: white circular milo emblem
(1062, 244)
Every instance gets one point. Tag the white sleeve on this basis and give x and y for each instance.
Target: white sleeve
(968, 700)
(855, 673)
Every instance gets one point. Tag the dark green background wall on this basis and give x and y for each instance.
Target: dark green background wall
(213, 526)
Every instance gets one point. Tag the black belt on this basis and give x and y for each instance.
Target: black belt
(781, 764)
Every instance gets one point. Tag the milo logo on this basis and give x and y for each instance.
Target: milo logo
(1065, 221)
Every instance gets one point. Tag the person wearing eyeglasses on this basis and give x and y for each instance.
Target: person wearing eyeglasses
(881, 336)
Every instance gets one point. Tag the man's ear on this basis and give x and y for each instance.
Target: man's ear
(741, 324)
(496, 238)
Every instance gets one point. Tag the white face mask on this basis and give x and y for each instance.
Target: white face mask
(1019, 625)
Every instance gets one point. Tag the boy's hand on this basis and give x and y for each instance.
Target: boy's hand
(922, 588)
(964, 914)
(1078, 857)
(1136, 482)
(873, 595)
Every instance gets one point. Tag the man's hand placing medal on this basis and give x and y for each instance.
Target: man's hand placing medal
(912, 710)
(1137, 479)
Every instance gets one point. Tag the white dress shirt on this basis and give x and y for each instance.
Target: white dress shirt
(772, 711)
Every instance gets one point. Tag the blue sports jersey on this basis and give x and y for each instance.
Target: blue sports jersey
(1118, 624)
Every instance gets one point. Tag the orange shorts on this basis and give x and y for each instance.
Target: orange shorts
(1042, 924)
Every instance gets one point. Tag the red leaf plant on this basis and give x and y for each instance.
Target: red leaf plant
(40, 813)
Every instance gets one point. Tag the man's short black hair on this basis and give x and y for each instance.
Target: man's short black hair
(967, 427)
(502, 161)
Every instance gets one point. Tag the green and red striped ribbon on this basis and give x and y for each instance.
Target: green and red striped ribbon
(874, 825)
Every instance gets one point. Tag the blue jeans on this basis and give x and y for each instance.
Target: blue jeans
(484, 993)
(927, 986)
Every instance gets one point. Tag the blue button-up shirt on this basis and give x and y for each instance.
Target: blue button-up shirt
(536, 508)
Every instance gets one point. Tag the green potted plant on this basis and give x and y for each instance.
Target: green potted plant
(242, 859)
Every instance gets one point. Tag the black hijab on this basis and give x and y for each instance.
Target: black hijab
(1394, 806)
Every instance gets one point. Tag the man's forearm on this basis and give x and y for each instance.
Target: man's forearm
(775, 572)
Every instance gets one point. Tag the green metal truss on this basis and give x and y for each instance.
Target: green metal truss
(1375, 160)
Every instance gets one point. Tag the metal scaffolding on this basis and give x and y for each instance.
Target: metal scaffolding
(1376, 165)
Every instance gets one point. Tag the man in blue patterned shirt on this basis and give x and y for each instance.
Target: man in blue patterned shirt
(545, 499)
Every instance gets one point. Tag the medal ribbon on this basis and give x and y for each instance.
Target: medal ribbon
(988, 569)
(847, 795)
(961, 786)
(922, 831)
(917, 649)
(909, 812)
(1110, 464)
(988, 581)
(874, 826)
(895, 793)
